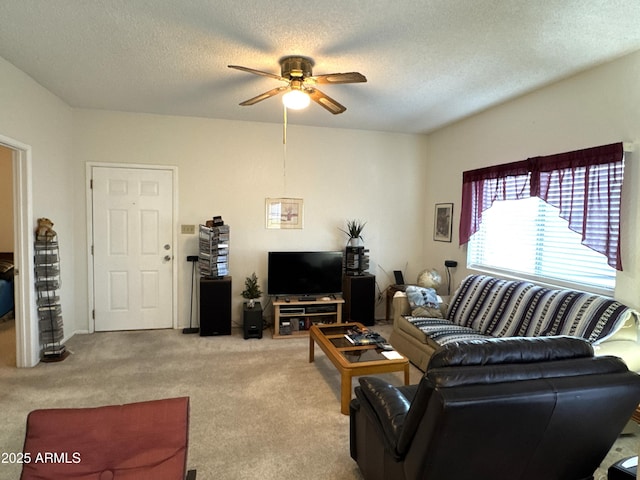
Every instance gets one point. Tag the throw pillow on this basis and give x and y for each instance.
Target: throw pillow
(424, 302)
(428, 312)
(422, 297)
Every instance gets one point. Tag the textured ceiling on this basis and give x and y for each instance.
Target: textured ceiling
(428, 62)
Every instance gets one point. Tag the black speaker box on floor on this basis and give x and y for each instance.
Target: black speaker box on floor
(215, 306)
(252, 321)
(359, 294)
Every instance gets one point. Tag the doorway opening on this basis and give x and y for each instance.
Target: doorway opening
(25, 319)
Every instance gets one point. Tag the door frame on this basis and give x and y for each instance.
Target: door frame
(174, 234)
(27, 342)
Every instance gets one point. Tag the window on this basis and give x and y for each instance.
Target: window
(527, 238)
(546, 217)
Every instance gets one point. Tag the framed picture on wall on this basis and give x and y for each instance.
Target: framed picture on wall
(442, 224)
(284, 213)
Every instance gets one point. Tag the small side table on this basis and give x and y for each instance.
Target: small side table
(390, 292)
(636, 415)
(252, 321)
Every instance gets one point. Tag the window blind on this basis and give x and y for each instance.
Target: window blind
(527, 238)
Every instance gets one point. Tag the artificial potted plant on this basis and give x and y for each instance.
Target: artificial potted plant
(354, 231)
(251, 290)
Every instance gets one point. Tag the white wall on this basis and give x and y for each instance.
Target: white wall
(228, 168)
(594, 108)
(392, 181)
(33, 116)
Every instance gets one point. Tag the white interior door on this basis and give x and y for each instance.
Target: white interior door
(132, 248)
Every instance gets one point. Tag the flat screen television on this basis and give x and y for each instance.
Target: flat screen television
(304, 273)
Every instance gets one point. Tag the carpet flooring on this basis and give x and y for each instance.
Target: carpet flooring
(259, 409)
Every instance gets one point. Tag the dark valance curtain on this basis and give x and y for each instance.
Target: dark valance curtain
(585, 185)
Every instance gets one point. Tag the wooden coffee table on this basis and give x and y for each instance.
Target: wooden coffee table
(351, 360)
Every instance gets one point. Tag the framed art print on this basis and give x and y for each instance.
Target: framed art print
(282, 213)
(442, 226)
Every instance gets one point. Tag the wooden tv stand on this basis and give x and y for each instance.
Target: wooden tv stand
(300, 313)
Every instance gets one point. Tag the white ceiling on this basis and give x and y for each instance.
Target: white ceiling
(428, 62)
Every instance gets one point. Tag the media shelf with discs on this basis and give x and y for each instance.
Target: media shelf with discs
(294, 316)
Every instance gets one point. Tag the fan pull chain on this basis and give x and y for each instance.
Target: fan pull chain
(284, 125)
(284, 152)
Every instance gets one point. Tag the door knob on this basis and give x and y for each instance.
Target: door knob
(167, 258)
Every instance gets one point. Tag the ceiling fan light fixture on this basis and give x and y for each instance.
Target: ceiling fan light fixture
(296, 100)
(297, 73)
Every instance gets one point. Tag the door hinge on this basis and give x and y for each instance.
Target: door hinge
(93, 314)
(91, 184)
(91, 249)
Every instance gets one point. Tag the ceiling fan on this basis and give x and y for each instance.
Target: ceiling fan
(296, 72)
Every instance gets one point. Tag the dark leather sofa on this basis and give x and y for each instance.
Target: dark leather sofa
(514, 408)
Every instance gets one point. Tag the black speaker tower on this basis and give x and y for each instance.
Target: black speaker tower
(215, 306)
(359, 294)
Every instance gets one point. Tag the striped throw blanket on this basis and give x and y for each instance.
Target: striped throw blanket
(485, 305)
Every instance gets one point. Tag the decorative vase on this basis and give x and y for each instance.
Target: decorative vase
(355, 242)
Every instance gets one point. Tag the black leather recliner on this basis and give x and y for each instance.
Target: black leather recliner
(539, 408)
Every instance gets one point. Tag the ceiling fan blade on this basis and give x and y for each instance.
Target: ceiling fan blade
(325, 101)
(263, 96)
(351, 77)
(258, 72)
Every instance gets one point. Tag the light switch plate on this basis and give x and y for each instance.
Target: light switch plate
(188, 229)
